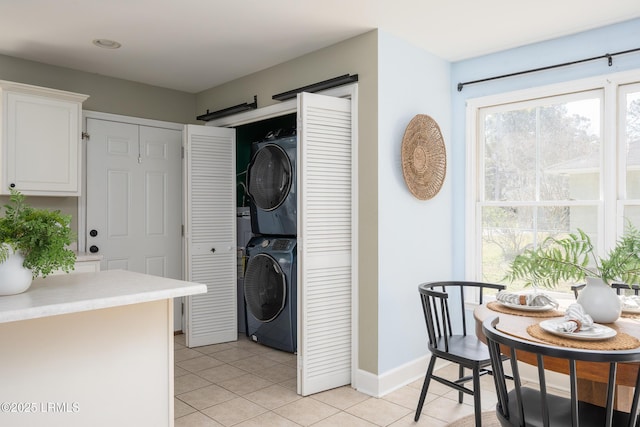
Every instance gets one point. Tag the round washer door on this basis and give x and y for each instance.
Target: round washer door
(269, 177)
(265, 288)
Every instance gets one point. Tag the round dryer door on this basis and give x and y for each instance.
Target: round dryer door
(265, 288)
(269, 177)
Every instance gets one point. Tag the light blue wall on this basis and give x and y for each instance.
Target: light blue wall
(610, 39)
(414, 235)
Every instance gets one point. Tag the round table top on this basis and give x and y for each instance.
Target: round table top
(517, 325)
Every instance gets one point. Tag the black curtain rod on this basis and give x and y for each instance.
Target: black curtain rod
(229, 111)
(316, 87)
(608, 56)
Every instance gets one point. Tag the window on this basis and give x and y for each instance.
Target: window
(629, 96)
(544, 163)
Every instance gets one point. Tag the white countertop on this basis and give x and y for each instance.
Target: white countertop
(71, 293)
(87, 256)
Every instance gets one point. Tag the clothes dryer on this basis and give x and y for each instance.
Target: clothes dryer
(271, 184)
(270, 292)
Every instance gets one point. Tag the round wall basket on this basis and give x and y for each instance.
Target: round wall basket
(424, 157)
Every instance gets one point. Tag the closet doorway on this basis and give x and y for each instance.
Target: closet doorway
(327, 233)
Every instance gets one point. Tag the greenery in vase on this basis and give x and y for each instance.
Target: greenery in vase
(40, 235)
(572, 258)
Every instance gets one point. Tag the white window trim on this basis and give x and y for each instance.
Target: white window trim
(623, 200)
(612, 219)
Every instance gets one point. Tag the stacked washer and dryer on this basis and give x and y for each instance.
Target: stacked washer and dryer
(270, 282)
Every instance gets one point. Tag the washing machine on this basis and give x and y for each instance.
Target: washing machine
(270, 292)
(271, 184)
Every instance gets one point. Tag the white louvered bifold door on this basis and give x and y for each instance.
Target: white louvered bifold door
(210, 234)
(325, 250)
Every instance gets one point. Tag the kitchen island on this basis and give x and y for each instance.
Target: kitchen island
(89, 349)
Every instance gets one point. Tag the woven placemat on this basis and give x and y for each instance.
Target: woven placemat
(496, 306)
(621, 341)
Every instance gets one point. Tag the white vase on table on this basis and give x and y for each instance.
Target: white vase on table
(14, 278)
(600, 301)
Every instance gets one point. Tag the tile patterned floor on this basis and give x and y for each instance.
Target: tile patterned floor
(246, 384)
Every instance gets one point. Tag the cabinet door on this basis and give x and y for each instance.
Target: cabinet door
(42, 140)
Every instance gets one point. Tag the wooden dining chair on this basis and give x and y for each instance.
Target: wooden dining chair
(527, 406)
(445, 316)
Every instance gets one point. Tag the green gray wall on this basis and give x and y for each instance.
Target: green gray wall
(106, 94)
(358, 55)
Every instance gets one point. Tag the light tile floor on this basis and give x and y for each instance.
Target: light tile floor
(247, 384)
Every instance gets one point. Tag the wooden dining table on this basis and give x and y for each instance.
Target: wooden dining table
(592, 376)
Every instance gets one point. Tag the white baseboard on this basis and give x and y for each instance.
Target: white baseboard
(380, 385)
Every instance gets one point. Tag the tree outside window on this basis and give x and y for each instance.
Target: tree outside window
(539, 176)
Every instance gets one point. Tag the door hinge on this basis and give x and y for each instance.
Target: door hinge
(182, 230)
(85, 135)
(182, 152)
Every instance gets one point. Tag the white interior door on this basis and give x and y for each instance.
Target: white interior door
(210, 234)
(134, 197)
(326, 241)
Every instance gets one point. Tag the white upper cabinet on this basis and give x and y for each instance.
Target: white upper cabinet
(41, 132)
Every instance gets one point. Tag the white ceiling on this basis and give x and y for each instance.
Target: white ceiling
(192, 45)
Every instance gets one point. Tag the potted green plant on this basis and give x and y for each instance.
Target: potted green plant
(572, 258)
(35, 239)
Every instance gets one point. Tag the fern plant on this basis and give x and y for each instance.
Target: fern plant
(572, 258)
(40, 235)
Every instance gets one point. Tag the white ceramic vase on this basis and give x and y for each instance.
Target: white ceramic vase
(600, 301)
(14, 278)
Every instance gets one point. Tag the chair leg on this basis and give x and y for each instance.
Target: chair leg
(460, 375)
(477, 407)
(425, 387)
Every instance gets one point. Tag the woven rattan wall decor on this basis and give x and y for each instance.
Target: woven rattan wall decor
(424, 157)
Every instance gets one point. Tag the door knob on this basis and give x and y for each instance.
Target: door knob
(93, 233)
(93, 249)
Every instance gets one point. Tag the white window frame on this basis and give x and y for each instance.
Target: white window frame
(611, 203)
(623, 200)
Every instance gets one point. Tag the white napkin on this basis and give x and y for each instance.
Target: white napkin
(631, 302)
(576, 320)
(534, 300)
